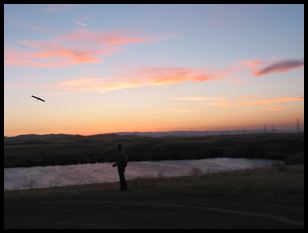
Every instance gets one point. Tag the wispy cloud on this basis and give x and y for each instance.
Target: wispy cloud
(169, 75)
(85, 46)
(261, 68)
(145, 77)
(77, 47)
(222, 102)
(49, 56)
(102, 85)
(280, 67)
(196, 98)
(81, 24)
(274, 108)
(272, 101)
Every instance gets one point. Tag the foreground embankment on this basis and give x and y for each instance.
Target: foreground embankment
(260, 198)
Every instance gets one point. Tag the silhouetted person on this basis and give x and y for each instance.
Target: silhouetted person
(121, 164)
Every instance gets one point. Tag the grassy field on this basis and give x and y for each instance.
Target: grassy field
(261, 198)
(102, 148)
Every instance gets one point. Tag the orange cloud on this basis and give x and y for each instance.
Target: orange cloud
(101, 85)
(78, 47)
(145, 77)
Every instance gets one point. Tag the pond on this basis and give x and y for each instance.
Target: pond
(52, 176)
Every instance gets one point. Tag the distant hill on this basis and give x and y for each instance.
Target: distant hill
(37, 138)
(60, 149)
(235, 132)
(64, 138)
(118, 135)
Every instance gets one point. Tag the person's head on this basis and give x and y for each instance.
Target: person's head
(119, 147)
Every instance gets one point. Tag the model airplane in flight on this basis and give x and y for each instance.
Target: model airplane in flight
(37, 98)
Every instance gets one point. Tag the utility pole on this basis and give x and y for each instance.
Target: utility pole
(297, 125)
(273, 127)
(265, 129)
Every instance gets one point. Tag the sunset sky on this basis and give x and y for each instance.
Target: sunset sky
(120, 68)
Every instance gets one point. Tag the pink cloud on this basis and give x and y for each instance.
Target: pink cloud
(78, 47)
(169, 75)
(252, 64)
(50, 56)
(102, 38)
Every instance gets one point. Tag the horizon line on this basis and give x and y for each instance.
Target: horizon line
(247, 129)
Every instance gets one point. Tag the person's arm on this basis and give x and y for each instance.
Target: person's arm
(117, 162)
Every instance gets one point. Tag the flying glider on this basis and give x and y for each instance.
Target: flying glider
(38, 98)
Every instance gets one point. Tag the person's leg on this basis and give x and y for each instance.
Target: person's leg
(124, 181)
(122, 178)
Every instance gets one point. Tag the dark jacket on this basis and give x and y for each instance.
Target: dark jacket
(122, 159)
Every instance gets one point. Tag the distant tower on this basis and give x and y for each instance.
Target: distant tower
(265, 129)
(274, 130)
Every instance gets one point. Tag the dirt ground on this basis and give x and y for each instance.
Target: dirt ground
(262, 198)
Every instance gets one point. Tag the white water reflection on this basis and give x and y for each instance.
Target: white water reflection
(51, 176)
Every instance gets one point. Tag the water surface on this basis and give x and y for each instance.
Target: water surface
(52, 176)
